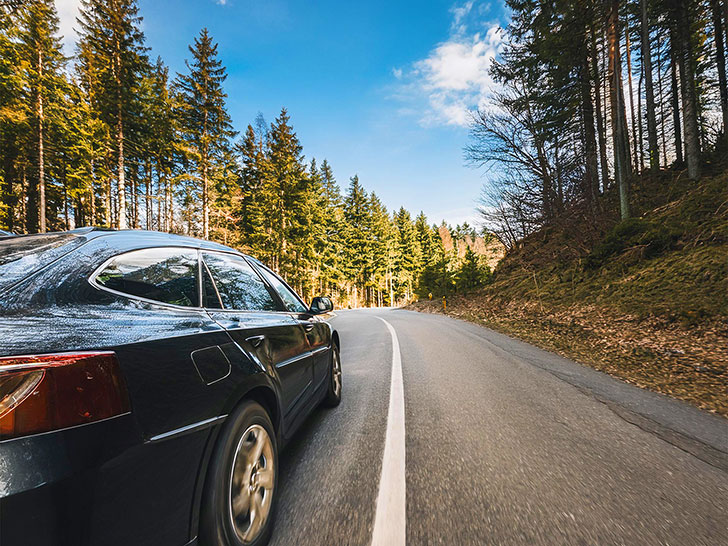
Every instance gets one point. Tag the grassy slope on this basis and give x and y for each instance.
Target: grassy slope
(646, 300)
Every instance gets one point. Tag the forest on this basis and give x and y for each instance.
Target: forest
(595, 97)
(111, 138)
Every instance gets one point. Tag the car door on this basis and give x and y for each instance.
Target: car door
(317, 332)
(255, 319)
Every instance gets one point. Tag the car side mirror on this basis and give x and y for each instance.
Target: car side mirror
(320, 305)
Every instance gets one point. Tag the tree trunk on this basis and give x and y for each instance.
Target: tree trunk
(41, 159)
(601, 130)
(661, 101)
(121, 181)
(10, 198)
(591, 176)
(67, 216)
(169, 216)
(687, 90)
(148, 196)
(622, 167)
(24, 199)
(205, 203)
(653, 152)
(134, 200)
(720, 61)
(677, 130)
(640, 125)
(633, 119)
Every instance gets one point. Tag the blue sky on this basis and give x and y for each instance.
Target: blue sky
(381, 89)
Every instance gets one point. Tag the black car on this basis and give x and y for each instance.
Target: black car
(147, 383)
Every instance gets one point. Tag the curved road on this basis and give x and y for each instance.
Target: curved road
(503, 444)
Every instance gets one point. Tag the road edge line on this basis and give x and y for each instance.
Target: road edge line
(390, 519)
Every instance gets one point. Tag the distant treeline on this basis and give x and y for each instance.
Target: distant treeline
(593, 94)
(108, 138)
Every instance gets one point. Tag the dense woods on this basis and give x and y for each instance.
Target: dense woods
(595, 95)
(111, 138)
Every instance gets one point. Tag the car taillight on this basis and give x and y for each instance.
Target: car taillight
(40, 393)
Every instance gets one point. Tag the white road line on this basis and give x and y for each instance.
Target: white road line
(391, 518)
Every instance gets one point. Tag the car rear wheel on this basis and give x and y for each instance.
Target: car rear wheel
(240, 494)
(333, 393)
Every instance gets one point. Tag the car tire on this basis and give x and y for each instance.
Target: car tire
(333, 391)
(239, 499)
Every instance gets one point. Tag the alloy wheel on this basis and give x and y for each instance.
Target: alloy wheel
(251, 483)
(336, 374)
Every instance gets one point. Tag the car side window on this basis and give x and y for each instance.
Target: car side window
(166, 275)
(238, 284)
(292, 302)
(210, 298)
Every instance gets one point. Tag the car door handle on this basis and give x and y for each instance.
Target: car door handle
(255, 341)
(308, 326)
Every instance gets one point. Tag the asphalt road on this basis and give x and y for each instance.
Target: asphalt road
(504, 444)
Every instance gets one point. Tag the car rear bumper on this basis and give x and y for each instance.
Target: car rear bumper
(98, 484)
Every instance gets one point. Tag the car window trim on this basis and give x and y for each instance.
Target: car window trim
(92, 279)
(214, 285)
(273, 294)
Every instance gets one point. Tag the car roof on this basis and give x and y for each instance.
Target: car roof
(131, 236)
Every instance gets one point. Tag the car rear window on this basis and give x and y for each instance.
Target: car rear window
(25, 254)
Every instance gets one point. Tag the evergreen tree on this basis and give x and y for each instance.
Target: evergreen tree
(113, 57)
(330, 245)
(205, 126)
(285, 176)
(409, 253)
(41, 64)
(382, 256)
(255, 196)
(13, 124)
(357, 236)
(472, 274)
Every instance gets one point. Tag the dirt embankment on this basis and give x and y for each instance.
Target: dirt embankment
(644, 300)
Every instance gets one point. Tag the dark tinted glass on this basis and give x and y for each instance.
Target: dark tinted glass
(168, 275)
(287, 295)
(239, 286)
(20, 256)
(210, 299)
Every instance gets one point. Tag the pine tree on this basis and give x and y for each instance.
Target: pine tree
(111, 47)
(42, 64)
(620, 138)
(285, 176)
(472, 274)
(720, 27)
(383, 255)
(357, 236)
(682, 43)
(409, 253)
(331, 245)
(86, 142)
(653, 151)
(13, 124)
(204, 123)
(255, 196)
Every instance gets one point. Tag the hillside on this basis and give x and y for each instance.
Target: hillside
(645, 300)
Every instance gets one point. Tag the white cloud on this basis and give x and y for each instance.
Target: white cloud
(455, 77)
(397, 73)
(459, 13)
(67, 13)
